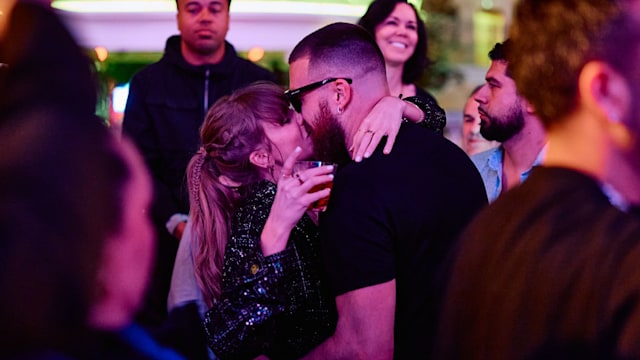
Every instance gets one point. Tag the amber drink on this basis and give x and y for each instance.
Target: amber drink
(320, 205)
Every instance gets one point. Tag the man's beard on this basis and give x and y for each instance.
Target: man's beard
(503, 130)
(329, 140)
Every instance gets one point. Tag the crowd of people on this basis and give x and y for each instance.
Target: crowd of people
(190, 236)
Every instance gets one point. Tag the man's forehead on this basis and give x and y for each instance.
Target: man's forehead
(203, 2)
(497, 70)
(498, 66)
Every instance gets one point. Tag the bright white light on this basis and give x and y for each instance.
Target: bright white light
(266, 7)
(119, 97)
(296, 7)
(487, 4)
(115, 6)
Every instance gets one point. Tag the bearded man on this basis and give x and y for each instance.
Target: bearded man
(392, 219)
(506, 117)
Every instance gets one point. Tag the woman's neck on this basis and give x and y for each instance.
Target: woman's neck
(273, 174)
(394, 81)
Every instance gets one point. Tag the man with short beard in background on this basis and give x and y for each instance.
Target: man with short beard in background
(508, 118)
(550, 269)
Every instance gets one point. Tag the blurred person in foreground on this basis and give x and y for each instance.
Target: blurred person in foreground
(472, 141)
(77, 247)
(507, 117)
(35, 45)
(553, 263)
(402, 37)
(77, 244)
(390, 219)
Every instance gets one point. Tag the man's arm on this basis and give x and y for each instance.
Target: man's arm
(383, 120)
(365, 325)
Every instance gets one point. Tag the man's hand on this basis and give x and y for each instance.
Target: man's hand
(179, 230)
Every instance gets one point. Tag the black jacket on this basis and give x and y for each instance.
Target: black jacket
(167, 104)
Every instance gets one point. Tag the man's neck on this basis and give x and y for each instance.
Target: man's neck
(368, 91)
(350, 130)
(521, 151)
(576, 142)
(109, 314)
(353, 117)
(394, 79)
(197, 59)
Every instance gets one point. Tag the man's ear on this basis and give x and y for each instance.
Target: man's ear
(604, 90)
(528, 107)
(342, 94)
(299, 119)
(607, 93)
(260, 158)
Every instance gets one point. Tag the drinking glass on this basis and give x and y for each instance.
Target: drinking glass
(320, 205)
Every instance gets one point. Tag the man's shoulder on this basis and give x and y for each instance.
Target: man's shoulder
(421, 142)
(249, 69)
(418, 151)
(158, 68)
(241, 67)
(411, 134)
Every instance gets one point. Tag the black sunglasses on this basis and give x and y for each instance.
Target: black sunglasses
(294, 95)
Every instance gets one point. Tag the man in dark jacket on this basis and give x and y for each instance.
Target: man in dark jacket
(166, 106)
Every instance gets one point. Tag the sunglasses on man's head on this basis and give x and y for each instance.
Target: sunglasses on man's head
(294, 95)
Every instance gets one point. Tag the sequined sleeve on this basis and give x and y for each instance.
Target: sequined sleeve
(242, 321)
(434, 116)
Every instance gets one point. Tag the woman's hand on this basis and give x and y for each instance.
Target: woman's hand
(292, 200)
(383, 120)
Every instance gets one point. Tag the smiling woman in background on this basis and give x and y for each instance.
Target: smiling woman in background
(402, 38)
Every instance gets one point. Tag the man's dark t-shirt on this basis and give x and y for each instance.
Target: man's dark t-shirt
(396, 216)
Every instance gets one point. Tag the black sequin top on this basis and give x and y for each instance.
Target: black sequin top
(435, 117)
(271, 305)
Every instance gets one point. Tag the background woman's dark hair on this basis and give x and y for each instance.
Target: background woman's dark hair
(61, 185)
(418, 62)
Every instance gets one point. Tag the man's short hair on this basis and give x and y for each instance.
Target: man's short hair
(554, 39)
(499, 53)
(341, 48)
